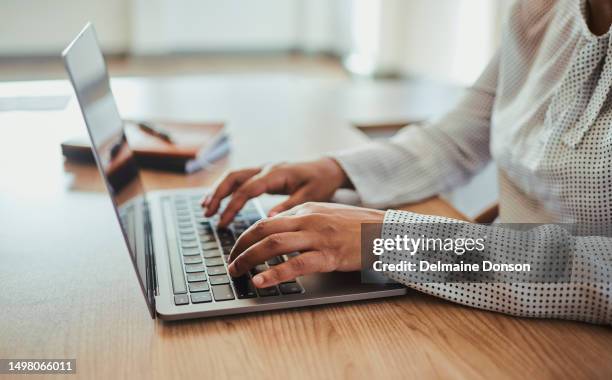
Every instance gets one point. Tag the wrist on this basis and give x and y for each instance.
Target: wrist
(336, 171)
(371, 229)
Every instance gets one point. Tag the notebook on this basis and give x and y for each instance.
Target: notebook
(193, 146)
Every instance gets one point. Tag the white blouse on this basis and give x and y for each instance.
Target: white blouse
(542, 111)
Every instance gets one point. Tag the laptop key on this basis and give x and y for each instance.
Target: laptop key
(192, 268)
(252, 219)
(188, 237)
(223, 232)
(195, 277)
(210, 245)
(181, 299)
(174, 255)
(201, 297)
(211, 253)
(191, 252)
(223, 292)
(214, 261)
(267, 292)
(189, 244)
(240, 224)
(204, 227)
(244, 287)
(198, 287)
(217, 280)
(206, 236)
(275, 261)
(192, 259)
(259, 268)
(214, 271)
(290, 288)
(226, 237)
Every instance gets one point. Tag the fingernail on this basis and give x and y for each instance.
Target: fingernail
(258, 280)
(231, 269)
(272, 213)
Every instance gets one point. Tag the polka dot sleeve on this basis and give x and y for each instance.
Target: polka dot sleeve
(582, 294)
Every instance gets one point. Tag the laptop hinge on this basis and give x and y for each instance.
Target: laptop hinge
(152, 283)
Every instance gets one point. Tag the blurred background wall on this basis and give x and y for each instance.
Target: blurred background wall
(449, 40)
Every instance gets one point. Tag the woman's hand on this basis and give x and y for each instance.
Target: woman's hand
(328, 237)
(307, 181)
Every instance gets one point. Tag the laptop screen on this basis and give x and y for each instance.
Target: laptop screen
(87, 70)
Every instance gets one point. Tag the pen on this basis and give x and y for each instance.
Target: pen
(148, 128)
(116, 148)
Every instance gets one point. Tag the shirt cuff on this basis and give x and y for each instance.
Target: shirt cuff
(359, 165)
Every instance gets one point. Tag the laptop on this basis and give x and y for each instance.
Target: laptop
(180, 256)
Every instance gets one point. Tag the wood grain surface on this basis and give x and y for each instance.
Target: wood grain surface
(68, 289)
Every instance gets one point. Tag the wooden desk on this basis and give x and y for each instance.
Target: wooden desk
(68, 289)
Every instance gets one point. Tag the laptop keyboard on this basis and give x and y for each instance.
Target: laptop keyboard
(198, 254)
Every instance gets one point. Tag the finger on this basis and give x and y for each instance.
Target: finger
(205, 201)
(262, 229)
(252, 188)
(271, 246)
(295, 199)
(263, 182)
(271, 179)
(230, 183)
(303, 264)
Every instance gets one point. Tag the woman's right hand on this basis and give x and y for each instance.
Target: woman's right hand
(304, 182)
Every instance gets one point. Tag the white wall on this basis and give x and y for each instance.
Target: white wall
(166, 26)
(449, 40)
(212, 25)
(41, 27)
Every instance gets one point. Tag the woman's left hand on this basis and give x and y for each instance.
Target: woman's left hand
(328, 237)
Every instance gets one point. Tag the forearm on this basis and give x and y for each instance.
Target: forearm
(421, 161)
(569, 279)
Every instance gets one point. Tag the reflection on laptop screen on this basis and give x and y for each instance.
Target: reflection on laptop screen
(87, 70)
